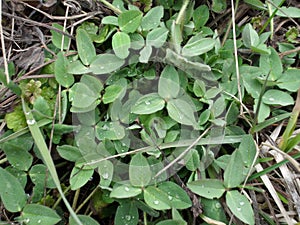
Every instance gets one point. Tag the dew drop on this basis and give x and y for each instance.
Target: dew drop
(101, 67)
(126, 188)
(218, 205)
(105, 176)
(271, 99)
(30, 122)
(128, 217)
(91, 178)
(242, 203)
(39, 221)
(238, 209)
(147, 102)
(27, 220)
(170, 197)
(156, 202)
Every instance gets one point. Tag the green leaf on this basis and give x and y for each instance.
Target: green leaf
(277, 97)
(177, 196)
(106, 171)
(168, 85)
(198, 46)
(137, 41)
(208, 188)
(38, 214)
(83, 96)
(256, 3)
(106, 63)
(68, 152)
(147, 104)
(200, 16)
(156, 198)
(18, 158)
(130, 20)
(121, 44)
(61, 71)
(219, 6)
(12, 194)
(240, 206)
(231, 177)
(185, 64)
(181, 111)
(157, 37)
(39, 175)
(214, 210)
(85, 47)
(139, 171)
(247, 149)
(291, 12)
(41, 108)
(289, 80)
(125, 191)
(80, 177)
(152, 19)
(127, 213)
(271, 64)
(112, 20)
(250, 36)
(145, 54)
(57, 37)
(115, 91)
(252, 85)
(193, 162)
(77, 68)
(110, 130)
(171, 222)
(20, 175)
(15, 120)
(86, 220)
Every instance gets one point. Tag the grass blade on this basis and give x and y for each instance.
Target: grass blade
(42, 146)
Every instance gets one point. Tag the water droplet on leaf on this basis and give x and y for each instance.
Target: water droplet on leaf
(156, 202)
(242, 203)
(105, 176)
(126, 188)
(238, 209)
(30, 122)
(128, 217)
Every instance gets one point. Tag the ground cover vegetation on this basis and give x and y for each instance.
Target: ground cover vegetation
(149, 112)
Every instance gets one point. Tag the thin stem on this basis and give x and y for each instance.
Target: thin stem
(86, 200)
(111, 7)
(238, 78)
(3, 160)
(181, 13)
(75, 200)
(145, 218)
(3, 47)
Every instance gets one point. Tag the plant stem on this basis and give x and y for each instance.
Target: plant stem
(291, 124)
(111, 7)
(86, 200)
(181, 13)
(3, 160)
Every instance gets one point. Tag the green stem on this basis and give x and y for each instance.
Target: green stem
(145, 218)
(181, 13)
(270, 19)
(111, 7)
(86, 200)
